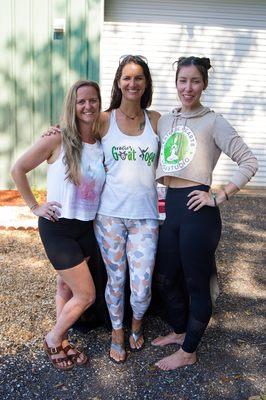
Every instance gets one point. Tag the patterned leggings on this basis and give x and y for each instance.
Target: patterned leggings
(122, 241)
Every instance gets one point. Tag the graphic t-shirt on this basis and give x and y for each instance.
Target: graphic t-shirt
(130, 188)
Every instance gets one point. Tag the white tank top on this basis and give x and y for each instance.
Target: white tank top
(78, 202)
(130, 188)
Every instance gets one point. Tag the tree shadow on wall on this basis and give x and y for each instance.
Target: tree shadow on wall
(34, 88)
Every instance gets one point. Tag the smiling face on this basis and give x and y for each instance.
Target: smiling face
(87, 105)
(190, 85)
(132, 82)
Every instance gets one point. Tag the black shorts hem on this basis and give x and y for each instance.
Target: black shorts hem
(66, 242)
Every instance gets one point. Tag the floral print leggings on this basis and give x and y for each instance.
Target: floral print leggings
(125, 241)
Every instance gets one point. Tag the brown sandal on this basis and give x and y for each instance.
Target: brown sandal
(52, 351)
(74, 357)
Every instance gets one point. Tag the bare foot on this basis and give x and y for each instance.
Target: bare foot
(171, 338)
(76, 356)
(136, 341)
(52, 342)
(176, 360)
(117, 350)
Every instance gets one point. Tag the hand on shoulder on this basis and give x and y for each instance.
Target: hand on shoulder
(52, 137)
(53, 130)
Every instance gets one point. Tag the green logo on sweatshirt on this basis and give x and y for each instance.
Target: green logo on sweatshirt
(178, 149)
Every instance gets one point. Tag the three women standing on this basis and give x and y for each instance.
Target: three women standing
(126, 226)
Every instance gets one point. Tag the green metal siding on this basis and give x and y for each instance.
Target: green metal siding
(36, 69)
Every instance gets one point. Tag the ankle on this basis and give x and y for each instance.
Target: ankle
(180, 335)
(118, 335)
(53, 340)
(185, 354)
(136, 324)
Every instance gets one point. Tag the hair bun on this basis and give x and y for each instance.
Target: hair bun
(180, 60)
(203, 61)
(206, 62)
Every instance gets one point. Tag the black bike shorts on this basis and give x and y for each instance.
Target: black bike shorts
(67, 242)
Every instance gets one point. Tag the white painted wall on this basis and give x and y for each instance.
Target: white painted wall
(231, 33)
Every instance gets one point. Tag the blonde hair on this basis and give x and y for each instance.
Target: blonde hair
(71, 137)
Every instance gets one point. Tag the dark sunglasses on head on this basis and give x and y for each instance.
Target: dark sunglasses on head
(138, 57)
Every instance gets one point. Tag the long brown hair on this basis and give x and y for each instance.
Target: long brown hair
(116, 94)
(71, 137)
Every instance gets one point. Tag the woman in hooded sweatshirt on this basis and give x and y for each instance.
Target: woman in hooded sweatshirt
(192, 139)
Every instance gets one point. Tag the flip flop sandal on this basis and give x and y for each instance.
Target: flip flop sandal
(74, 357)
(52, 351)
(136, 335)
(119, 348)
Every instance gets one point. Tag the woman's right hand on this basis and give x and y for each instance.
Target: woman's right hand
(53, 130)
(48, 210)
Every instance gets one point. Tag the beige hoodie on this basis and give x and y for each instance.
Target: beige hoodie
(191, 144)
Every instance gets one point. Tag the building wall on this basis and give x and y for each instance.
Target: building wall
(37, 67)
(231, 33)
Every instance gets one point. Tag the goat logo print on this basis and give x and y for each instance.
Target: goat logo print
(128, 153)
(178, 149)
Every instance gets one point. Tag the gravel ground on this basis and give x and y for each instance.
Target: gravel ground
(230, 356)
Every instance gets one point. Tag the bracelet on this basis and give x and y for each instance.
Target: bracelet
(33, 206)
(226, 195)
(213, 194)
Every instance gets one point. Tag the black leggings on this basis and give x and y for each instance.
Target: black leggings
(185, 262)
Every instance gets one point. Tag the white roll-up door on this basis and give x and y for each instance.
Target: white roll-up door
(231, 32)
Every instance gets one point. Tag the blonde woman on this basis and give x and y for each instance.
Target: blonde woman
(74, 183)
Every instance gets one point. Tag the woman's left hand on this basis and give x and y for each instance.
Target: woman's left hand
(199, 199)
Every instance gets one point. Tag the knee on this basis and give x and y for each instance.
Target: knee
(116, 283)
(167, 290)
(163, 284)
(141, 295)
(201, 307)
(90, 298)
(86, 298)
(62, 289)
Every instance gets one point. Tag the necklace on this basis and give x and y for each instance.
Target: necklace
(127, 116)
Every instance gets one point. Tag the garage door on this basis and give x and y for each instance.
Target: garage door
(231, 33)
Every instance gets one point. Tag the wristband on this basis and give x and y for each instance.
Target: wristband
(226, 195)
(33, 206)
(213, 194)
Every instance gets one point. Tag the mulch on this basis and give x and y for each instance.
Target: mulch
(230, 355)
(13, 198)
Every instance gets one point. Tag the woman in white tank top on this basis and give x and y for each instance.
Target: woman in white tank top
(74, 184)
(126, 225)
